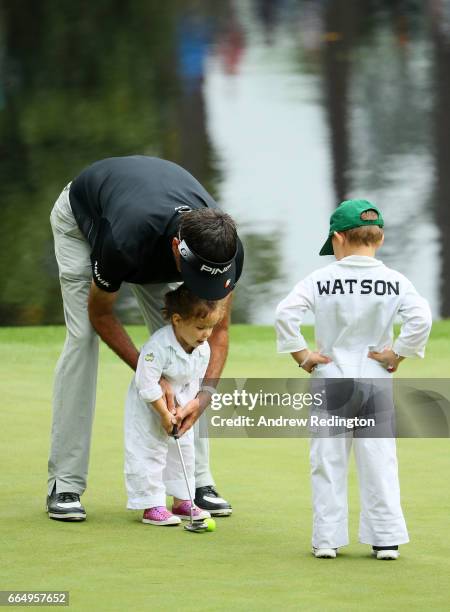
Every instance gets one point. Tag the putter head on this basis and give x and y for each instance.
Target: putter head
(196, 526)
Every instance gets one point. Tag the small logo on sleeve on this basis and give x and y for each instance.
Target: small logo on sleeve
(149, 357)
(98, 277)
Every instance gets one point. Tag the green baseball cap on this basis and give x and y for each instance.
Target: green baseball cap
(347, 216)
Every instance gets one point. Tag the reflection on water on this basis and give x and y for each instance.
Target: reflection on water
(281, 108)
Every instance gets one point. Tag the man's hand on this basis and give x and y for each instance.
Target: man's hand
(192, 411)
(168, 395)
(188, 415)
(387, 358)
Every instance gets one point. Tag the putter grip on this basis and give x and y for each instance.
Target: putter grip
(175, 431)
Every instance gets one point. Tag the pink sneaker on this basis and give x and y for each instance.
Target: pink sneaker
(159, 515)
(183, 511)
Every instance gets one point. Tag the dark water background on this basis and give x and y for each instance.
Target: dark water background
(281, 108)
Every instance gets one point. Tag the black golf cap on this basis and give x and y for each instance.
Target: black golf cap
(208, 280)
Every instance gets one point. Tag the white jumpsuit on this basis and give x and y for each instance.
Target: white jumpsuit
(152, 465)
(355, 302)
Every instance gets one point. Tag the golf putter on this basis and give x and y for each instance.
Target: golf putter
(198, 525)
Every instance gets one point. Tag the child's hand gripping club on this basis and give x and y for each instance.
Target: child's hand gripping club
(168, 417)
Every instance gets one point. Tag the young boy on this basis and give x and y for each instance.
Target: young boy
(355, 301)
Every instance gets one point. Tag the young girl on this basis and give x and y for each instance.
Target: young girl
(179, 352)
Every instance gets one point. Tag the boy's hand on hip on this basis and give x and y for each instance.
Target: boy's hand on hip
(313, 359)
(387, 358)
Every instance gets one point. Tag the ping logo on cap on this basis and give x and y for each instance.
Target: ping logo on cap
(213, 271)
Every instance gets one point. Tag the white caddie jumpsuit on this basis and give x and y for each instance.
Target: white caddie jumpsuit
(355, 302)
(152, 465)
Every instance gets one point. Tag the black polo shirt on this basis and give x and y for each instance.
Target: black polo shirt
(129, 208)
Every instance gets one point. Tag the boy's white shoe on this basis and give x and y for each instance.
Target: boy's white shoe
(388, 554)
(325, 553)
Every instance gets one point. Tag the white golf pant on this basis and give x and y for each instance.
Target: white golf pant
(76, 372)
(381, 518)
(152, 464)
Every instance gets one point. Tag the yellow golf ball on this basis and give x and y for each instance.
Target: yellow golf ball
(210, 524)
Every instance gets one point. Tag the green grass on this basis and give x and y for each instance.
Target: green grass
(259, 558)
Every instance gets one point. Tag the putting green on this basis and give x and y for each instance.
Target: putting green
(259, 559)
